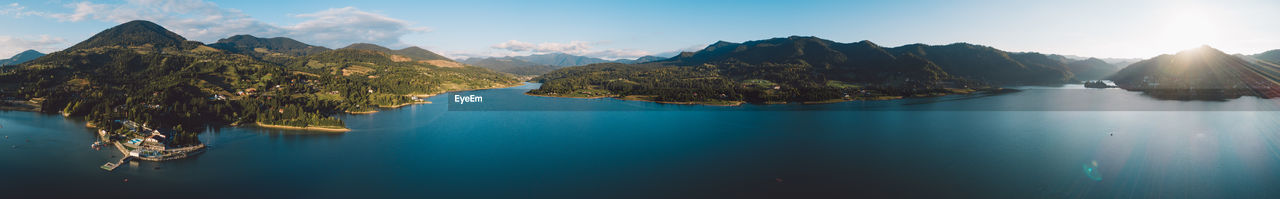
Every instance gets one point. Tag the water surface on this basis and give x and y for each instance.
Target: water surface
(1030, 144)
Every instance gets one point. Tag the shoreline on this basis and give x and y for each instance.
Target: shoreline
(405, 104)
(734, 103)
(19, 105)
(830, 101)
(424, 97)
(260, 124)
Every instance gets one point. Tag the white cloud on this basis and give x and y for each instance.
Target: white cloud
(18, 11)
(205, 21)
(10, 45)
(573, 47)
(579, 48)
(350, 25)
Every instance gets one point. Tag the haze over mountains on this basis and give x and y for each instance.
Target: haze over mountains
(543, 63)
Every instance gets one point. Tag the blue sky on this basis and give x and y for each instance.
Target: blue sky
(628, 29)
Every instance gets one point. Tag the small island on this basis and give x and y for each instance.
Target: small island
(1097, 84)
(141, 142)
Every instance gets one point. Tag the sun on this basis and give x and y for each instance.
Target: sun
(1188, 27)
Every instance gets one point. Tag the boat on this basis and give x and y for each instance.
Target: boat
(97, 145)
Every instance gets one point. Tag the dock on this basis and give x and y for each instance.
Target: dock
(111, 166)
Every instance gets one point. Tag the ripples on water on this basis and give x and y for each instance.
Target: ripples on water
(1041, 142)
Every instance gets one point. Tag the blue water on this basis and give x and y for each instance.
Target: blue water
(1028, 144)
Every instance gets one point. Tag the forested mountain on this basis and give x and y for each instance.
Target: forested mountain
(412, 52)
(987, 64)
(1200, 73)
(511, 65)
(21, 57)
(282, 45)
(814, 69)
(275, 50)
(420, 54)
(140, 71)
(136, 34)
(803, 69)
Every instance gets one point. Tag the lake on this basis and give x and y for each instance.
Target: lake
(1036, 143)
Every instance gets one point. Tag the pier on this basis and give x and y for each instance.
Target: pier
(111, 166)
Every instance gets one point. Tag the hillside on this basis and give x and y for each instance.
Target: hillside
(1200, 73)
(141, 72)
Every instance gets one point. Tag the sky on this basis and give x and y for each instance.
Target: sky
(630, 29)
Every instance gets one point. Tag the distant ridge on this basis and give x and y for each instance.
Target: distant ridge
(1272, 56)
(412, 52)
(542, 63)
(248, 44)
(21, 57)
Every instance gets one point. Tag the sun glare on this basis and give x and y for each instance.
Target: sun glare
(1187, 27)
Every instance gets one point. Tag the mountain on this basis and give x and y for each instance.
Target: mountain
(542, 63)
(792, 69)
(1200, 73)
(561, 59)
(511, 65)
(21, 57)
(141, 72)
(420, 54)
(412, 52)
(136, 33)
(263, 46)
(1272, 56)
(987, 64)
(968, 61)
(275, 50)
(644, 59)
(1091, 69)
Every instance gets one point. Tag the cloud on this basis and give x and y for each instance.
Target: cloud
(10, 45)
(18, 11)
(205, 21)
(573, 47)
(350, 25)
(579, 48)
